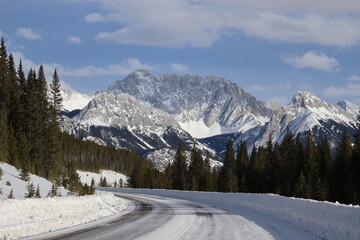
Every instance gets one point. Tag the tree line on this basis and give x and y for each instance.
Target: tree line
(289, 168)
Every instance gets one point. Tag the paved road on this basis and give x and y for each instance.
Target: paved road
(156, 218)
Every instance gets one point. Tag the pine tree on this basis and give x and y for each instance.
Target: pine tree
(311, 169)
(227, 177)
(179, 169)
(31, 191)
(355, 165)
(341, 184)
(37, 193)
(196, 168)
(242, 161)
(11, 194)
(53, 191)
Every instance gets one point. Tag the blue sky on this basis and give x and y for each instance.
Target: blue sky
(272, 48)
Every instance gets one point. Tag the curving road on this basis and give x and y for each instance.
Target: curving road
(155, 218)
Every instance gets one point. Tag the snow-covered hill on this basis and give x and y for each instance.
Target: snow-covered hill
(111, 177)
(11, 180)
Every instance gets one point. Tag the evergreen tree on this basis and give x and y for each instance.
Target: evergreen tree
(53, 191)
(11, 194)
(179, 169)
(37, 193)
(31, 190)
(341, 184)
(227, 177)
(242, 161)
(196, 168)
(311, 170)
(355, 165)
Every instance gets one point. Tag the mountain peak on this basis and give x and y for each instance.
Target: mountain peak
(306, 99)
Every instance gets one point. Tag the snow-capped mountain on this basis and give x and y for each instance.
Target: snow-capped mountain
(121, 121)
(73, 100)
(306, 112)
(154, 114)
(203, 106)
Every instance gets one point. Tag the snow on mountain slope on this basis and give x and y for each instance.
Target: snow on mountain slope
(74, 100)
(165, 156)
(111, 177)
(305, 112)
(350, 107)
(11, 176)
(204, 106)
(120, 120)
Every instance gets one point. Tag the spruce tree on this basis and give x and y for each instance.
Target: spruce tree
(227, 178)
(11, 194)
(31, 191)
(355, 165)
(242, 161)
(341, 182)
(179, 169)
(37, 193)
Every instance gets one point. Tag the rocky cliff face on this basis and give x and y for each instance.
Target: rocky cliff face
(204, 106)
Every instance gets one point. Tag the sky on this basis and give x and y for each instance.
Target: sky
(271, 48)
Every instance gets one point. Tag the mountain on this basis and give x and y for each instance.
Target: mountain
(350, 107)
(306, 112)
(203, 106)
(121, 121)
(73, 100)
(153, 114)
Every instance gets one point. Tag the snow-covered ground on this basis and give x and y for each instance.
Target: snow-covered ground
(11, 180)
(111, 177)
(321, 219)
(27, 217)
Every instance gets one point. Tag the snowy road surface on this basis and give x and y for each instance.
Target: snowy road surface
(155, 217)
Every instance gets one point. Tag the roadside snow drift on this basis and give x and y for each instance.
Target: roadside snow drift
(322, 219)
(27, 217)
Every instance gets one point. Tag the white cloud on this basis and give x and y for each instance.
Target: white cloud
(94, 17)
(126, 66)
(28, 33)
(178, 67)
(182, 23)
(314, 60)
(74, 40)
(353, 78)
(350, 90)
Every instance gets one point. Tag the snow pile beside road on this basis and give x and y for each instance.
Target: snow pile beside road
(27, 217)
(323, 219)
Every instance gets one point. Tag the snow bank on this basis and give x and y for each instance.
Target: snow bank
(323, 219)
(27, 217)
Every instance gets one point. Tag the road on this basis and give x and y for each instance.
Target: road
(155, 218)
